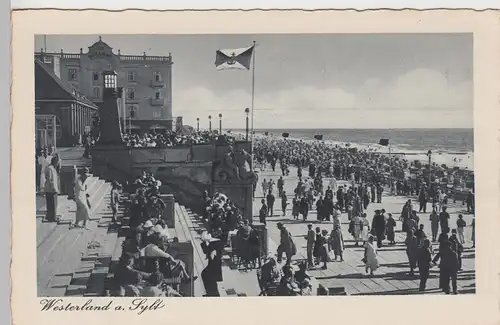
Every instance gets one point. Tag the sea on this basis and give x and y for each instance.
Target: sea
(451, 146)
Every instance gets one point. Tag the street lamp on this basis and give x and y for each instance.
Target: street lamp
(210, 123)
(247, 111)
(198, 124)
(220, 123)
(429, 155)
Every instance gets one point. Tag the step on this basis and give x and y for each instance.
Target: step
(66, 209)
(84, 270)
(63, 251)
(200, 260)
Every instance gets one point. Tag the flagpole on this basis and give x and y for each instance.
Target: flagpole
(253, 101)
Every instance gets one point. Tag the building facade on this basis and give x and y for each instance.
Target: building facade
(146, 81)
(61, 112)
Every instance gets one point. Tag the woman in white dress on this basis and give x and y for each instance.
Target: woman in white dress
(81, 199)
(370, 259)
(365, 231)
(44, 161)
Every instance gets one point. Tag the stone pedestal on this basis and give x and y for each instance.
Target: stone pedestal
(241, 195)
(262, 229)
(169, 212)
(67, 178)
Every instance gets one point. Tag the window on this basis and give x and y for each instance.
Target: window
(130, 93)
(157, 114)
(131, 76)
(47, 59)
(132, 111)
(157, 76)
(58, 129)
(95, 76)
(157, 94)
(96, 92)
(72, 74)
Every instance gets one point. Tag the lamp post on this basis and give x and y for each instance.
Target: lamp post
(220, 123)
(247, 111)
(429, 155)
(210, 123)
(198, 124)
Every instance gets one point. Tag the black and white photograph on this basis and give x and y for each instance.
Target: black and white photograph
(219, 165)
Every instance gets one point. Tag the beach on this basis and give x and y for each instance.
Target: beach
(450, 147)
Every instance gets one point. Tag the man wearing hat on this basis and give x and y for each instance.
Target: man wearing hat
(51, 190)
(378, 227)
(212, 273)
(311, 238)
(286, 245)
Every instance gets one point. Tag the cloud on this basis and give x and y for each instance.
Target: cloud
(418, 98)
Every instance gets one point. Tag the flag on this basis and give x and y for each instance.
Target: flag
(383, 142)
(318, 137)
(285, 134)
(234, 58)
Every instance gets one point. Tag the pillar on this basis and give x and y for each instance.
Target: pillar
(169, 212)
(73, 120)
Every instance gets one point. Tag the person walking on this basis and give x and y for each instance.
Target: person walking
(411, 250)
(434, 218)
(82, 200)
(311, 238)
(51, 190)
(448, 267)
(212, 273)
(284, 202)
(378, 227)
(444, 217)
(370, 256)
(365, 231)
(355, 228)
(286, 245)
(424, 263)
(263, 212)
(270, 203)
(461, 224)
(389, 229)
(337, 242)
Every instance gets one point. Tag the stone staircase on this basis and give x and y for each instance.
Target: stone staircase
(60, 250)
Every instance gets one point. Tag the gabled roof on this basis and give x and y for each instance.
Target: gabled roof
(69, 91)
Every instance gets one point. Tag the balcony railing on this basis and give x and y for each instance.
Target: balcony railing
(120, 56)
(157, 84)
(157, 102)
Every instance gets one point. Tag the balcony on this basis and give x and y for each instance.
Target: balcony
(134, 100)
(157, 102)
(157, 84)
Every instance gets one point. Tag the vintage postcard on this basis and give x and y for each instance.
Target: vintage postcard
(162, 159)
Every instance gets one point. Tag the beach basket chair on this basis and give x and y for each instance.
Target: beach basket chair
(266, 288)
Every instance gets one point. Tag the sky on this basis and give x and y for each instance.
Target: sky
(313, 80)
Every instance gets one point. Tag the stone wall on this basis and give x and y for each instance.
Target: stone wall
(185, 172)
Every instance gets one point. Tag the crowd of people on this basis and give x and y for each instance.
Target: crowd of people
(368, 176)
(148, 266)
(170, 138)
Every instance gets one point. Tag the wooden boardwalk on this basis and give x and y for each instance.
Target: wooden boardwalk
(61, 250)
(391, 278)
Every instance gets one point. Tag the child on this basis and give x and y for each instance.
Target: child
(115, 198)
(460, 229)
(389, 229)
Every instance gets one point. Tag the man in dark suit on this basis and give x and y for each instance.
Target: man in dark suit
(212, 273)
